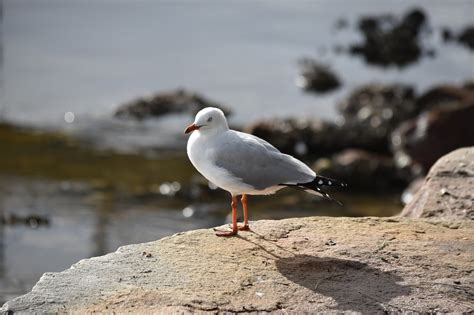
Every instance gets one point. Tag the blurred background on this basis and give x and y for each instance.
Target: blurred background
(95, 95)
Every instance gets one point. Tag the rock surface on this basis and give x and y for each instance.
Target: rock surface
(448, 190)
(299, 265)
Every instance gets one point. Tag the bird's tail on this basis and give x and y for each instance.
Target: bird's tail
(314, 187)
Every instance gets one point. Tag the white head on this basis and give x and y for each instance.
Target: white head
(208, 120)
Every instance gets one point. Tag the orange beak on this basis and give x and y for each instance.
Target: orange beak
(191, 128)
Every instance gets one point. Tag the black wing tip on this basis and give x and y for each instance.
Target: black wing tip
(326, 181)
(316, 184)
(326, 195)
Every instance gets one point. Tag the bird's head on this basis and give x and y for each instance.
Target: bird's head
(208, 120)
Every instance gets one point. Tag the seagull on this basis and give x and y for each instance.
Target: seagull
(244, 164)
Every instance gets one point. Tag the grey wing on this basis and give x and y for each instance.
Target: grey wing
(252, 138)
(258, 163)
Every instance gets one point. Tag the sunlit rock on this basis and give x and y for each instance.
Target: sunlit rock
(301, 265)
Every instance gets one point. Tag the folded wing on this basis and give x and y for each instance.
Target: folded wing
(257, 163)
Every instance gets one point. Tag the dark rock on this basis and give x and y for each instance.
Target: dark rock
(178, 101)
(390, 40)
(33, 221)
(370, 115)
(445, 126)
(447, 34)
(316, 77)
(380, 108)
(466, 37)
(363, 170)
(440, 95)
(313, 137)
(447, 191)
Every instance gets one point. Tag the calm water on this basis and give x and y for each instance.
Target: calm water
(89, 56)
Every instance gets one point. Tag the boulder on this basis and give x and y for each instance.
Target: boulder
(445, 125)
(302, 265)
(466, 37)
(392, 40)
(370, 114)
(316, 77)
(438, 96)
(379, 109)
(364, 170)
(448, 189)
(315, 137)
(156, 105)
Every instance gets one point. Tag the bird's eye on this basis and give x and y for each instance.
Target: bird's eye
(209, 119)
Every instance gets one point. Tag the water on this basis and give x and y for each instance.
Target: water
(88, 57)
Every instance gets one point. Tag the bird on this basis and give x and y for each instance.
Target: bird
(244, 164)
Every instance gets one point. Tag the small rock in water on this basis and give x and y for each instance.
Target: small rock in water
(464, 37)
(391, 40)
(316, 77)
(178, 101)
(467, 37)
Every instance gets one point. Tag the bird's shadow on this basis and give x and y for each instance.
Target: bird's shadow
(353, 285)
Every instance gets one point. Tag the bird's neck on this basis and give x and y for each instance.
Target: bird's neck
(210, 133)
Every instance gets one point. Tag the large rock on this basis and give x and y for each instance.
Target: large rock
(369, 115)
(448, 190)
(178, 101)
(447, 125)
(392, 40)
(304, 265)
(315, 137)
(364, 170)
(379, 106)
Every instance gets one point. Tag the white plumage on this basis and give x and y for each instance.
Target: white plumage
(244, 164)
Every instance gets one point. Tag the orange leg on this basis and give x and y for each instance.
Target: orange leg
(245, 227)
(234, 220)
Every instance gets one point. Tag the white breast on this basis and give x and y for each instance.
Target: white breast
(200, 151)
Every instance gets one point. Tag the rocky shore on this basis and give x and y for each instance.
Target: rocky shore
(314, 264)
